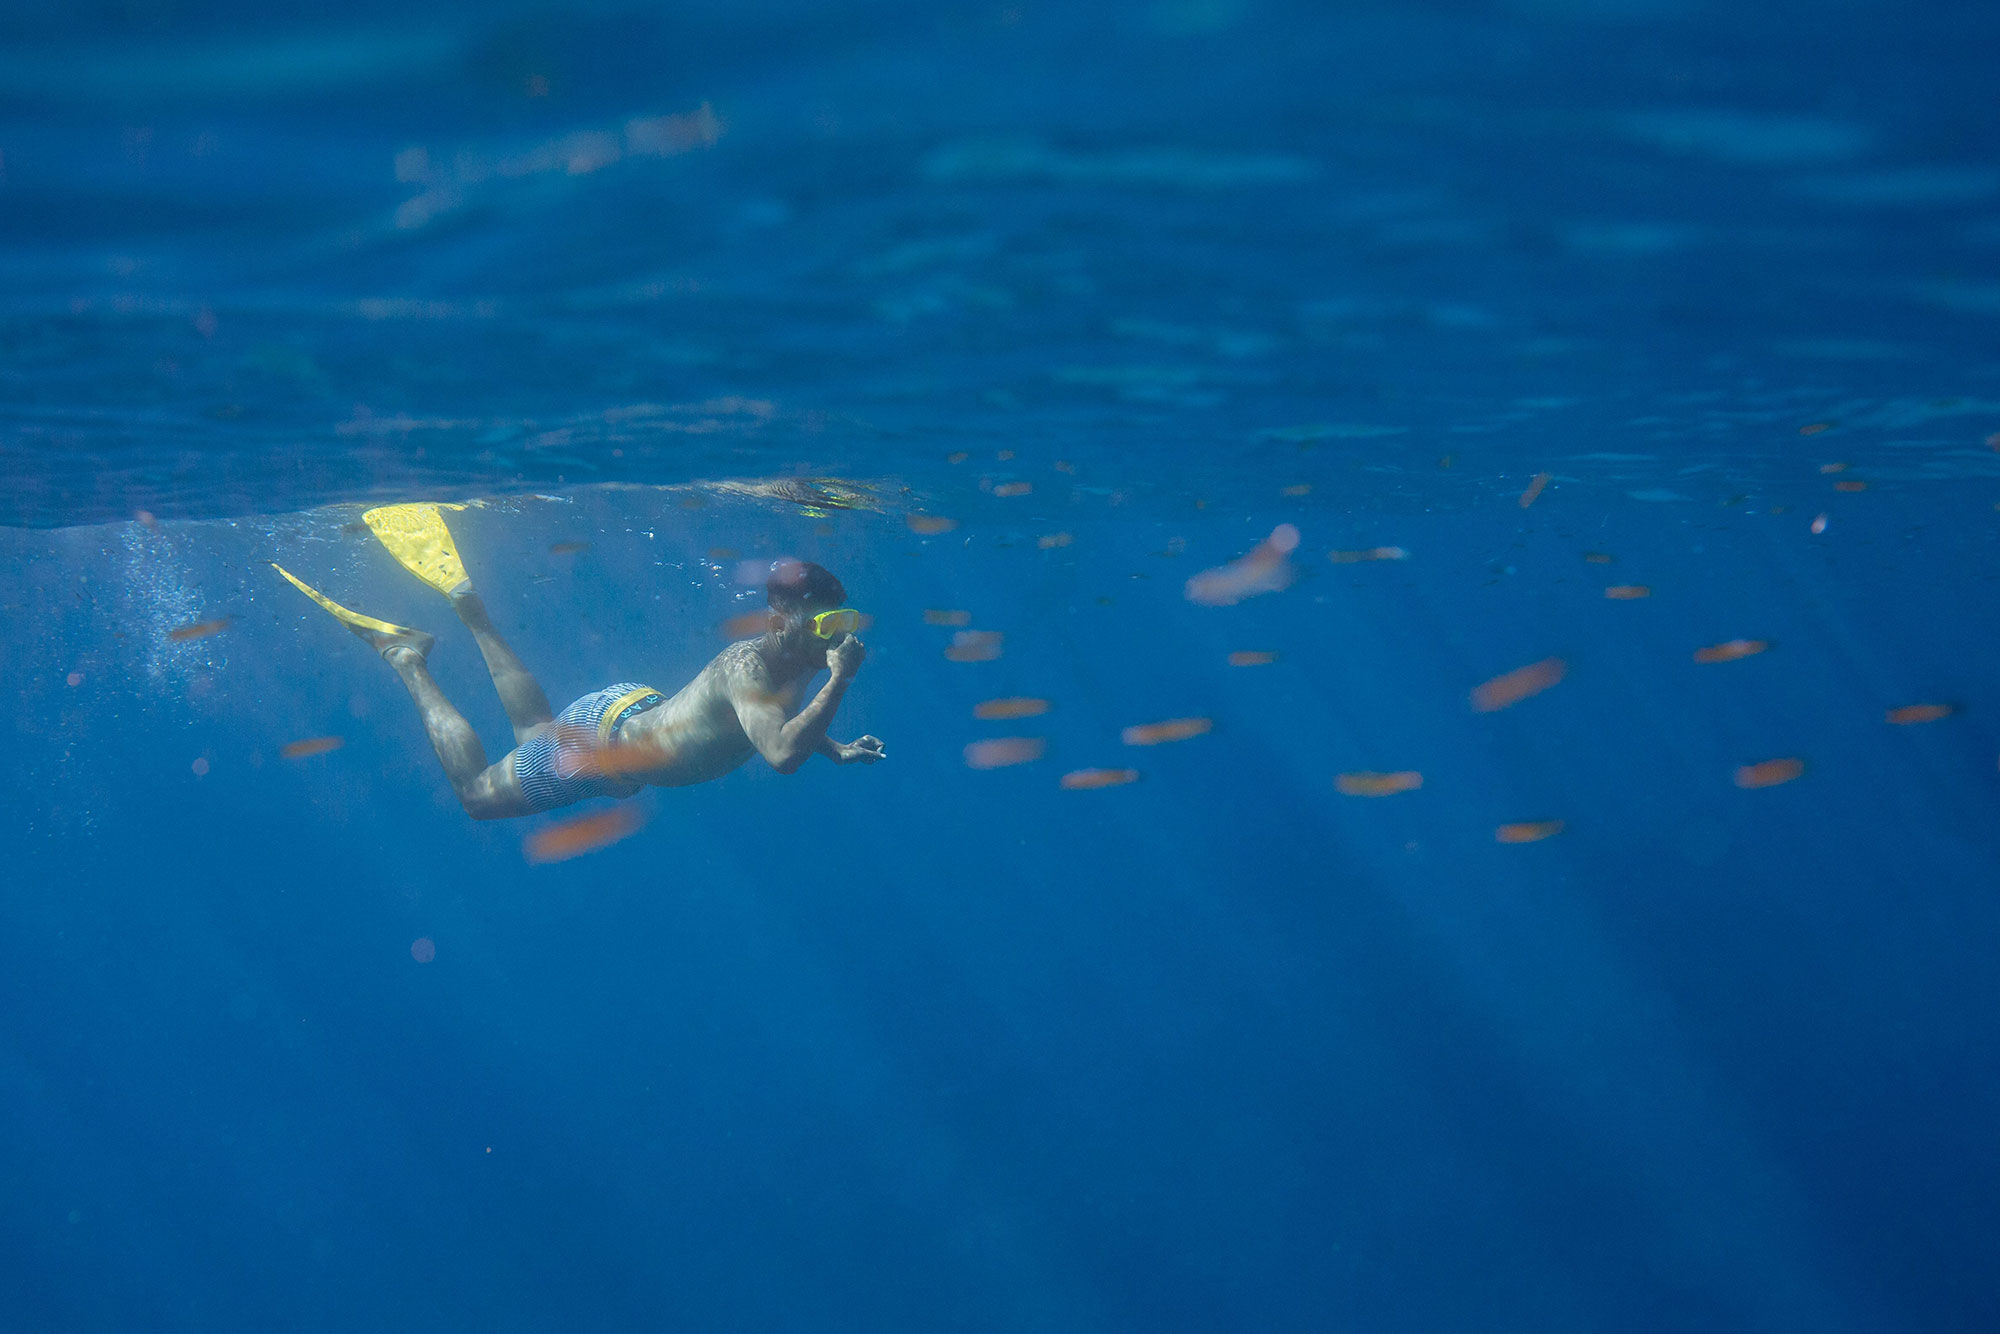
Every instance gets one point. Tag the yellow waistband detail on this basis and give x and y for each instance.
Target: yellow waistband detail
(609, 722)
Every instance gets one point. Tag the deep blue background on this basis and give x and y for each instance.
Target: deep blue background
(921, 1046)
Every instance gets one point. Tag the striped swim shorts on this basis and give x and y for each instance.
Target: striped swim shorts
(559, 765)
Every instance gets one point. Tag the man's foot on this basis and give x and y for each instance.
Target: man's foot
(408, 641)
(383, 636)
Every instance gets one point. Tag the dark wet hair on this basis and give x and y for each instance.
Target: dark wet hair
(799, 585)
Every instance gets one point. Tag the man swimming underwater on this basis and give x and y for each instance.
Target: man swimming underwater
(616, 740)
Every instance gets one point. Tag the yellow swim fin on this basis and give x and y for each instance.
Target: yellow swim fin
(416, 536)
(382, 634)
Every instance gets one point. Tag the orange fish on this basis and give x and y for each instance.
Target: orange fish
(1598, 557)
(1051, 541)
(1730, 650)
(1515, 686)
(1627, 592)
(1832, 468)
(959, 457)
(1297, 489)
(1534, 489)
(312, 745)
(974, 646)
(567, 548)
(1372, 553)
(1265, 568)
(1850, 486)
(1818, 524)
(1000, 751)
(929, 525)
(1173, 729)
(1367, 783)
(1918, 713)
(199, 629)
(1769, 773)
(587, 833)
(1251, 658)
(934, 616)
(1013, 488)
(747, 626)
(1527, 831)
(1013, 706)
(630, 757)
(1814, 428)
(1080, 779)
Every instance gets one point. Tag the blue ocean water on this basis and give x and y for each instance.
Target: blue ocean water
(1031, 313)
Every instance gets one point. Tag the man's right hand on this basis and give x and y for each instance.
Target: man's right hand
(844, 659)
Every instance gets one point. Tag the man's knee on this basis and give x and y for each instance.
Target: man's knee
(481, 807)
(485, 799)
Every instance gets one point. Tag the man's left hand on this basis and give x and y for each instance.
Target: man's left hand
(862, 750)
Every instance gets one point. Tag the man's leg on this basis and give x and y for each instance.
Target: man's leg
(527, 707)
(456, 744)
(488, 792)
(417, 537)
(482, 789)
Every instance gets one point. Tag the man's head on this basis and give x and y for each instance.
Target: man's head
(799, 589)
(798, 592)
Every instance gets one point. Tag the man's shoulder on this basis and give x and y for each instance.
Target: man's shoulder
(741, 662)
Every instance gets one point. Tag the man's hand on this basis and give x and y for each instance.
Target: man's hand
(845, 658)
(862, 750)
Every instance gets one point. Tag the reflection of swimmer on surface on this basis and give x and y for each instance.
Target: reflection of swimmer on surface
(616, 740)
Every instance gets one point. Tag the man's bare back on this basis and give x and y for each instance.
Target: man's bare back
(742, 704)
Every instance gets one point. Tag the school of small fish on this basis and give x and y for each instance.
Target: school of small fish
(1268, 568)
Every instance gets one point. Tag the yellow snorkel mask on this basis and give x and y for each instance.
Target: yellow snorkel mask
(839, 621)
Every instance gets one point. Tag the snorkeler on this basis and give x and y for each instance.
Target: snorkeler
(617, 740)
